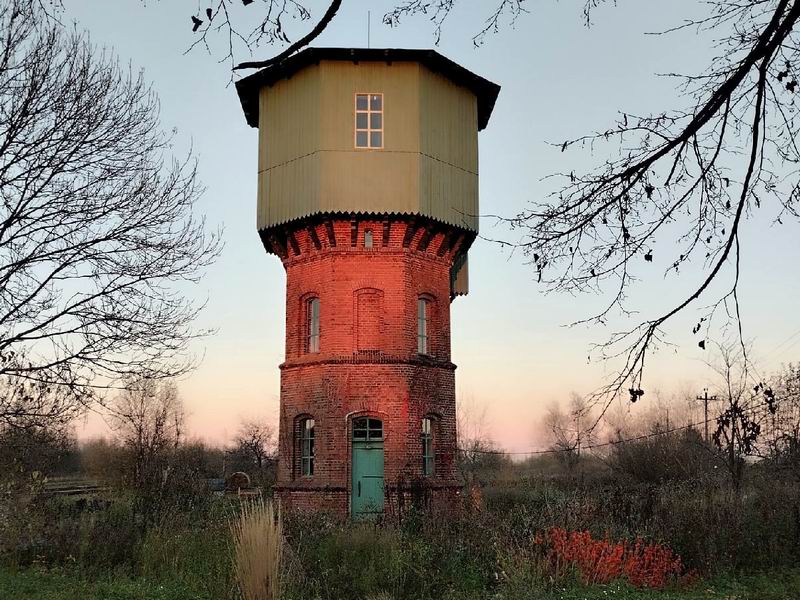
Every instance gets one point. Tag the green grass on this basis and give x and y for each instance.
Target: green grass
(63, 585)
(782, 585)
(57, 585)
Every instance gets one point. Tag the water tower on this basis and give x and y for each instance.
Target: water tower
(368, 194)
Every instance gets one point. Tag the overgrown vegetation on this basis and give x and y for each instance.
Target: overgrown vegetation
(538, 528)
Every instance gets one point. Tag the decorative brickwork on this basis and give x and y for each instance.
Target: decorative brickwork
(368, 362)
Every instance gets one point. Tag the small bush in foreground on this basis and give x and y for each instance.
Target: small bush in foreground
(600, 561)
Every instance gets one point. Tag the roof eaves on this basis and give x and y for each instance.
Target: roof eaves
(248, 87)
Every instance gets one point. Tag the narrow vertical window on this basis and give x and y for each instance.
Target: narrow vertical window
(422, 326)
(307, 447)
(368, 238)
(427, 447)
(369, 121)
(312, 325)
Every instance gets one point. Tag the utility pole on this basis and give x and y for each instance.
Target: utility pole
(705, 398)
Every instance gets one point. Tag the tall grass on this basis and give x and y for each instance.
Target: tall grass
(258, 544)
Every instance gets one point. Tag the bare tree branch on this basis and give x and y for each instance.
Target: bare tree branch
(96, 225)
(678, 172)
(299, 44)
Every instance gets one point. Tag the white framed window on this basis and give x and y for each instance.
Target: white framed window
(368, 238)
(422, 325)
(307, 447)
(369, 121)
(427, 447)
(312, 325)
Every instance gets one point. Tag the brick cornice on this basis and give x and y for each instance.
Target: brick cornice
(368, 358)
(309, 257)
(299, 240)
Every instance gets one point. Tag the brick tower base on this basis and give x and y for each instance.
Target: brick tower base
(369, 276)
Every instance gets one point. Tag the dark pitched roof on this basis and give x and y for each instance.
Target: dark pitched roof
(248, 87)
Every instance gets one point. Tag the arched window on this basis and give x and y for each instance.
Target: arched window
(307, 447)
(368, 238)
(427, 447)
(312, 325)
(423, 316)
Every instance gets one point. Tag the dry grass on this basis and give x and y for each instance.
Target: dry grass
(258, 544)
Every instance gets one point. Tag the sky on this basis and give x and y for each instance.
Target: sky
(516, 355)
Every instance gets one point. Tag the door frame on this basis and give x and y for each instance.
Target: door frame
(349, 418)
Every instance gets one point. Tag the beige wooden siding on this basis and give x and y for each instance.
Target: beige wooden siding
(448, 193)
(448, 121)
(399, 83)
(459, 285)
(289, 191)
(289, 132)
(449, 146)
(369, 182)
(289, 119)
(308, 162)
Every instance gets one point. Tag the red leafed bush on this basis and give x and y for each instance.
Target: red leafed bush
(601, 560)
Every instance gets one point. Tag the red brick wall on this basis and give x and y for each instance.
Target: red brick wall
(368, 362)
(368, 319)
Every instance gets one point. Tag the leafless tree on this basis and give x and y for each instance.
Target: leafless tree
(744, 412)
(659, 444)
(780, 439)
(96, 225)
(479, 459)
(159, 469)
(471, 421)
(698, 171)
(255, 442)
(33, 449)
(499, 13)
(148, 417)
(26, 404)
(245, 25)
(570, 431)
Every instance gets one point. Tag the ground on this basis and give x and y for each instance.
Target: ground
(62, 585)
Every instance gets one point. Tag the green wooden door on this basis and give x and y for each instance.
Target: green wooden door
(367, 484)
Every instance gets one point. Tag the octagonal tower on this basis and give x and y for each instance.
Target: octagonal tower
(368, 193)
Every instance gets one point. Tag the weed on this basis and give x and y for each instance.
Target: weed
(258, 544)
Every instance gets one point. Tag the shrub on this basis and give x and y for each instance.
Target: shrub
(422, 558)
(55, 531)
(198, 555)
(676, 456)
(344, 560)
(601, 561)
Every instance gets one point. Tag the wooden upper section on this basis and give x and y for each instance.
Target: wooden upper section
(308, 163)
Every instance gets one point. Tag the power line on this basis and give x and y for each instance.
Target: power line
(776, 350)
(637, 438)
(705, 400)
